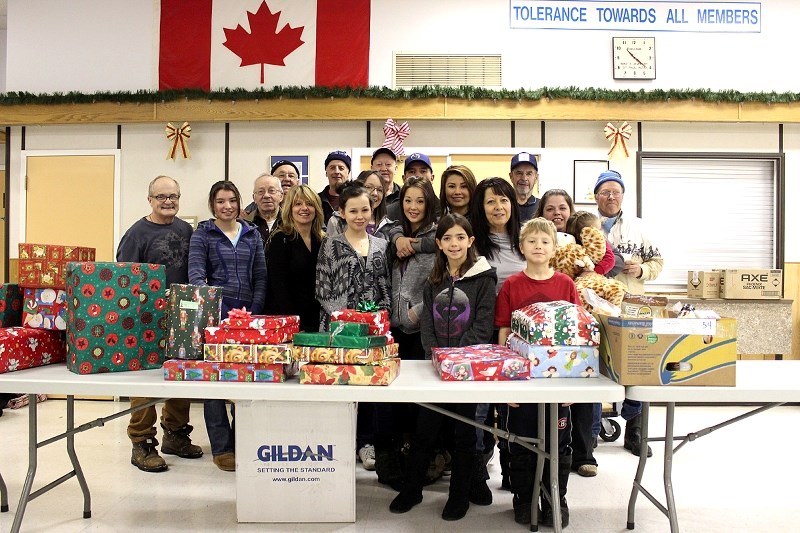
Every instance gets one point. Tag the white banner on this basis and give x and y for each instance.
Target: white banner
(295, 461)
(702, 17)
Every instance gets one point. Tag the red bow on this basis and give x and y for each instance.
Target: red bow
(178, 136)
(618, 138)
(395, 135)
(242, 314)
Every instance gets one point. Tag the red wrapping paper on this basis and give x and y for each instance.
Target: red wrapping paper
(378, 321)
(481, 362)
(193, 370)
(238, 319)
(22, 348)
(221, 335)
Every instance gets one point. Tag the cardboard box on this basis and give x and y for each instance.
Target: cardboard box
(632, 354)
(751, 284)
(702, 284)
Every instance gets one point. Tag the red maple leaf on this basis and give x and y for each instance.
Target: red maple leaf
(263, 45)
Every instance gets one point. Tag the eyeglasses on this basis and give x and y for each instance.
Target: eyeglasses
(165, 197)
(271, 192)
(610, 194)
(286, 175)
(371, 189)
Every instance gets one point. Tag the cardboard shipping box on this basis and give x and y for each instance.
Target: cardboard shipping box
(751, 284)
(632, 352)
(702, 285)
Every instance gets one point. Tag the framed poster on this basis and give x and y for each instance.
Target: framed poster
(300, 161)
(191, 219)
(585, 172)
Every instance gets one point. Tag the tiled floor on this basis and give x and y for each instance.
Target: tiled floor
(718, 488)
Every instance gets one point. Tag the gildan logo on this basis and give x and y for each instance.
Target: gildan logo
(295, 453)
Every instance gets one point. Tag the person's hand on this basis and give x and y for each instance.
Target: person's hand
(513, 404)
(412, 316)
(403, 246)
(632, 269)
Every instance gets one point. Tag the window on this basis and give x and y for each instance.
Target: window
(711, 211)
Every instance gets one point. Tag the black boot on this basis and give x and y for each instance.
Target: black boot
(387, 466)
(564, 466)
(521, 473)
(505, 484)
(461, 478)
(633, 436)
(411, 493)
(479, 491)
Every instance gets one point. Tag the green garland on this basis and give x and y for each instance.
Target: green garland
(385, 93)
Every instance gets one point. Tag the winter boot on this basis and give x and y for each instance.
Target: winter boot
(521, 473)
(387, 466)
(633, 436)
(505, 484)
(177, 442)
(461, 478)
(411, 492)
(145, 456)
(564, 467)
(479, 491)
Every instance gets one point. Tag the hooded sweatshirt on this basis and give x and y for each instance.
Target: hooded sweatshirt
(240, 270)
(459, 312)
(409, 277)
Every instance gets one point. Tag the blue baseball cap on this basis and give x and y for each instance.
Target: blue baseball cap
(338, 155)
(416, 156)
(609, 175)
(524, 157)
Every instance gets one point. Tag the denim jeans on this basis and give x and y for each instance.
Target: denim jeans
(221, 431)
(481, 412)
(597, 415)
(631, 409)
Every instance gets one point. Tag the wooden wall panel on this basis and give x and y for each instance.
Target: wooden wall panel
(791, 290)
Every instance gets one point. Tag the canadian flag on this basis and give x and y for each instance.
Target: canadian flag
(214, 44)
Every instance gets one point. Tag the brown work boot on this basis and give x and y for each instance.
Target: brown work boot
(145, 456)
(177, 442)
(226, 461)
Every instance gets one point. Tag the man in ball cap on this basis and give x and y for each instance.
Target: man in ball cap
(525, 178)
(384, 162)
(287, 172)
(337, 170)
(628, 236)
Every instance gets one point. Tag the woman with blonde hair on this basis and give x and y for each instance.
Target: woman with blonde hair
(292, 261)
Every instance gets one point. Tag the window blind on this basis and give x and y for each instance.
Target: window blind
(707, 213)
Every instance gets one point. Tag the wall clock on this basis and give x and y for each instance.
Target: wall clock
(634, 58)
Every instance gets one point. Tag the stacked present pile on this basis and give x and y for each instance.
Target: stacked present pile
(559, 339)
(480, 362)
(115, 317)
(357, 350)
(244, 347)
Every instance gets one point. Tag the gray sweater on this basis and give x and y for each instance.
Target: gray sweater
(409, 276)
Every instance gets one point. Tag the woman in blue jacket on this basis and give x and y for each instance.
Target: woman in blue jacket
(227, 252)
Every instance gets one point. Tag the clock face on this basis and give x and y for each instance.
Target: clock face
(634, 58)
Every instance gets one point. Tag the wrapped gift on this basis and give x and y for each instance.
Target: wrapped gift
(379, 373)
(115, 316)
(27, 347)
(557, 361)
(321, 338)
(45, 308)
(10, 305)
(192, 308)
(378, 321)
(349, 329)
(556, 323)
(248, 353)
(321, 354)
(368, 341)
(188, 370)
(243, 319)
(480, 362)
(44, 265)
(223, 335)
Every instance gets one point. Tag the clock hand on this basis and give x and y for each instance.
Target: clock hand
(634, 57)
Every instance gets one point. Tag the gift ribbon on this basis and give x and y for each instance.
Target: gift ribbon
(618, 138)
(367, 306)
(242, 313)
(395, 135)
(179, 137)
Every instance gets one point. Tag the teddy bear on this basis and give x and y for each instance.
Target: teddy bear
(578, 262)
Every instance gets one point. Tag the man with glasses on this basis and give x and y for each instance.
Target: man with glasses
(162, 238)
(384, 162)
(267, 195)
(287, 172)
(643, 262)
(524, 177)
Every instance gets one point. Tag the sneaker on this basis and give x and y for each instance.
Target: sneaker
(435, 468)
(367, 456)
(226, 461)
(145, 457)
(448, 463)
(587, 470)
(177, 442)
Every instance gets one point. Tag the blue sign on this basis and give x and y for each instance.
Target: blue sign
(701, 17)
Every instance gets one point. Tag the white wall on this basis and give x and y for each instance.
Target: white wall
(3, 53)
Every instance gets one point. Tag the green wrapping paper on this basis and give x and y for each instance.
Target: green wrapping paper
(349, 329)
(192, 308)
(321, 338)
(365, 341)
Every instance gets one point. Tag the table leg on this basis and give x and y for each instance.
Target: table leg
(32, 463)
(73, 457)
(537, 479)
(3, 496)
(637, 480)
(668, 447)
(555, 499)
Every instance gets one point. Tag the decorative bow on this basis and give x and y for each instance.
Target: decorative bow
(618, 138)
(242, 314)
(367, 306)
(179, 137)
(395, 135)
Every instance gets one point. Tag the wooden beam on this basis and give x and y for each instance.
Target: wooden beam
(379, 109)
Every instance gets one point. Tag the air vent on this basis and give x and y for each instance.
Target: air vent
(415, 70)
